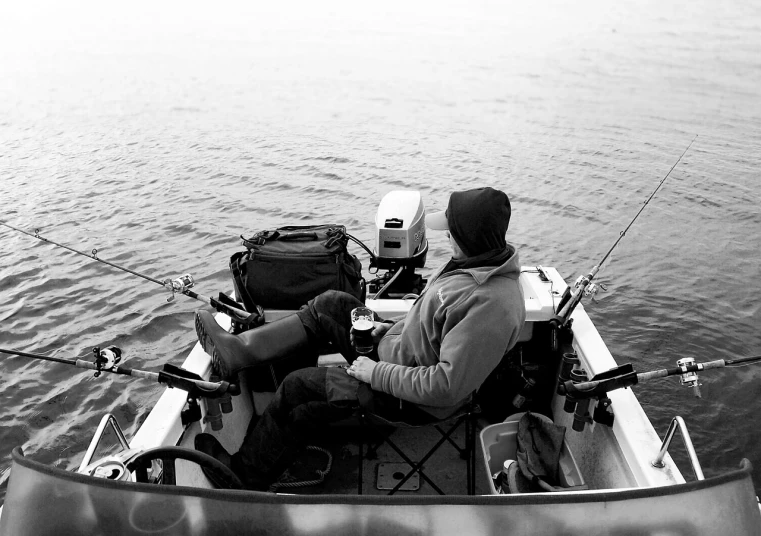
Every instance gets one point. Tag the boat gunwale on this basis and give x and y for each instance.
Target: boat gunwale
(742, 473)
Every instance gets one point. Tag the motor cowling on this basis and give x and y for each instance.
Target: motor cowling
(400, 239)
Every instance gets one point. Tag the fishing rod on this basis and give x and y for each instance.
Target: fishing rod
(107, 360)
(624, 376)
(583, 285)
(579, 391)
(181, 285)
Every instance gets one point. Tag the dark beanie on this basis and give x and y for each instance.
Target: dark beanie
(478, 220)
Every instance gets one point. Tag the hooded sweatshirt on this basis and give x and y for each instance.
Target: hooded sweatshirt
(478, 220)
(456, 333)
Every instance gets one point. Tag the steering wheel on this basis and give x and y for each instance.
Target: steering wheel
(216, 471)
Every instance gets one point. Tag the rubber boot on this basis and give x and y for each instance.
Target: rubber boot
(268, 343)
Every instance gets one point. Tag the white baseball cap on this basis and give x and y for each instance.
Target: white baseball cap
(437, 221)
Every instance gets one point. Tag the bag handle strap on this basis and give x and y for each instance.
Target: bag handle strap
(298, 236)
(335, 234)
(259, 238)
(263, 237)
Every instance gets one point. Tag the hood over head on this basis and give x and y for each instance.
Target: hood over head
(477, 219)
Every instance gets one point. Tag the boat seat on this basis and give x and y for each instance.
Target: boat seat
(377, 427)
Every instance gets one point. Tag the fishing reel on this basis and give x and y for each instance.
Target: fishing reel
(689, 378)
(181, 284)
(591, 289)
(106, 359)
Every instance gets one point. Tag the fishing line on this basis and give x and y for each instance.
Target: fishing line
(623, 233)
(181, 285)
(583, 285)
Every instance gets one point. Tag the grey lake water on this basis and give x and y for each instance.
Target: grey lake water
(158, 133)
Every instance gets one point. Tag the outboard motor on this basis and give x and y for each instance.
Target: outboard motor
(400, 245)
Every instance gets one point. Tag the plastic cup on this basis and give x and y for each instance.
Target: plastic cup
(362, 323)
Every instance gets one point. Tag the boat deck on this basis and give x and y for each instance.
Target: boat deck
(445, 467)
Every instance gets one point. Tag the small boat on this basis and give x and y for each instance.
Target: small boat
(618, 475)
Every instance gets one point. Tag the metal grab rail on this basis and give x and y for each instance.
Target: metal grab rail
(678, 422)
(105, 421)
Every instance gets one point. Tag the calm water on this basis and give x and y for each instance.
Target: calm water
(158, 135)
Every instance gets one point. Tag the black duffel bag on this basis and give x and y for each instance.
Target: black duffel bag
(286, 267)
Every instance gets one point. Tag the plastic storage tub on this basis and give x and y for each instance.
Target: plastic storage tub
(499, 443)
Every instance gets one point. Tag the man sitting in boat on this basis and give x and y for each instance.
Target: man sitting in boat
(429, 362)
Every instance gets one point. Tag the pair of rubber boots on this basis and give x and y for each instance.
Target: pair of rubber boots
(268, 343)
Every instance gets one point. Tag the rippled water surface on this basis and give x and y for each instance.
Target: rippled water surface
(159, 134)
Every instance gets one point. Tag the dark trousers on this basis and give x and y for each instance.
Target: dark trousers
(308, 398)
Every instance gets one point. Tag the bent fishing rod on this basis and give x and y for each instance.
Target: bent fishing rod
(583, 285)
(180, 285)
(108, 359)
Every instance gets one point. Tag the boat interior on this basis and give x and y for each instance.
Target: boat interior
(353, 457)
(350, 480)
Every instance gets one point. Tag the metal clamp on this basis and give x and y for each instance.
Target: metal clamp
(658, 461)
(107, 419)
